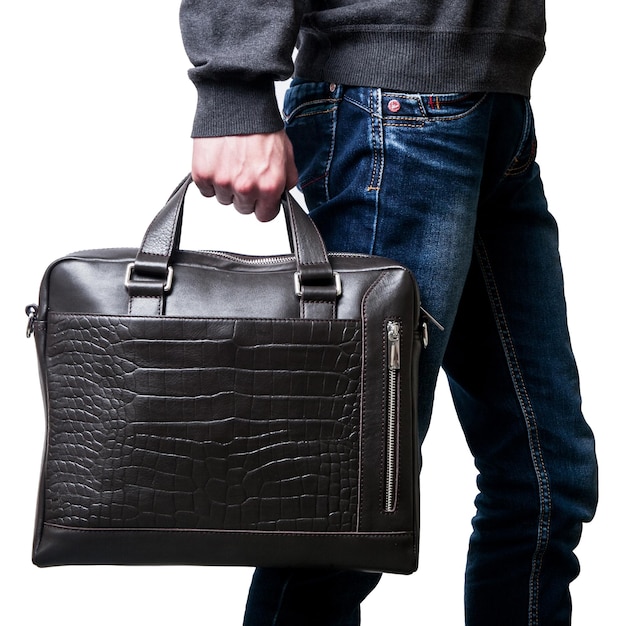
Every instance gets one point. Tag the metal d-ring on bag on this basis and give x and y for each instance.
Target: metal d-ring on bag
(222, 409)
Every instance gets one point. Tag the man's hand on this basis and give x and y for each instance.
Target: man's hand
(251, 171)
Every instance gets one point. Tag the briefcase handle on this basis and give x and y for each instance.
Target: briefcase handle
(151, 275)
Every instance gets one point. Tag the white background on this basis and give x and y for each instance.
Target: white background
(95, 120)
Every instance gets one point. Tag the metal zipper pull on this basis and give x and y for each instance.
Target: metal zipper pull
(31, 311)
(393, 344)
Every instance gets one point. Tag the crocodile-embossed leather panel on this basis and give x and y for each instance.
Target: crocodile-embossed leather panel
(208, 424)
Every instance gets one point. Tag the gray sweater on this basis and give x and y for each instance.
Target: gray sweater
(240, 47)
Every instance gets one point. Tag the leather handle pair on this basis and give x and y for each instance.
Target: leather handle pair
(150, 277)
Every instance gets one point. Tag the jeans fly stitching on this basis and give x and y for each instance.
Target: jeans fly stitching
(331, 150)
(378, 156)
(377, 141)
(545, 498)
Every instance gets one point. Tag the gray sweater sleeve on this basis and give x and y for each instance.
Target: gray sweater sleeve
(238, 49)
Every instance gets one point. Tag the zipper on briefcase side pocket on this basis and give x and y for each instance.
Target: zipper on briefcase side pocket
(391, 443)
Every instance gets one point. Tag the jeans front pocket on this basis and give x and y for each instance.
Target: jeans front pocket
(310, 111)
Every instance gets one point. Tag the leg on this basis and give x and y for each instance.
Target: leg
(515, 386)
(410, 177)
(285, 597)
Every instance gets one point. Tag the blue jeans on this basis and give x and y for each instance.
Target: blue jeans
(448, 185)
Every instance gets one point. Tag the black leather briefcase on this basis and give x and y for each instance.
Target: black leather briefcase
(211, 408)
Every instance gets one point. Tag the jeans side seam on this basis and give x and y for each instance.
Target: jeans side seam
(521, 391)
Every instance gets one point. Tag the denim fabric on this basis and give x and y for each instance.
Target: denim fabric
(448, 185)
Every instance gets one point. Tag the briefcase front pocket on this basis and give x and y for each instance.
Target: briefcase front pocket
(201, 424)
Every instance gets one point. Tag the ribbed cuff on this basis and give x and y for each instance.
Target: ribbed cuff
(241, 109)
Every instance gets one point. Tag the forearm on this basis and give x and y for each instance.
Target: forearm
(238, 49)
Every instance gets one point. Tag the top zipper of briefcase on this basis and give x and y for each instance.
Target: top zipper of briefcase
(269, 260)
